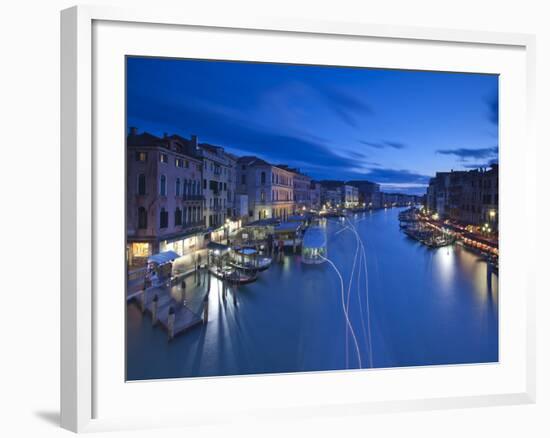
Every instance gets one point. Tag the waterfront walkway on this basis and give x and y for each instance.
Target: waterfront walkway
(186, 302)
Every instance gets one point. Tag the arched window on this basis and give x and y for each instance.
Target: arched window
(163, 185)
(142, 218)
(263, 177)
(178, 187)
(177, 216)
(141, 184)
(163, 218)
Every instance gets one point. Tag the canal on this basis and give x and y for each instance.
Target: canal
(407, 305)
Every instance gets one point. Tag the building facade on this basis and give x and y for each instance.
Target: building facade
(369, 193)
(301, 189)
(218, 184)
(164, 196)
(470, 197)
(349, 196)
(315, 195)
(269, 188)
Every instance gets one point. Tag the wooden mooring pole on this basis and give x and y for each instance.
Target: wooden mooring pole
(205, 310)
(171, 321)
(142, 299)
(154, 309)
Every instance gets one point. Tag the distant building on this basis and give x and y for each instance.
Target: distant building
(349, 196)
(439, 194)
(241, 206)
(218, 184)
(470, 197)
(400, 200)
(301, 189)
(315, 195)
(369, 193)
(269, 188)
(331, 193)
(164, 196)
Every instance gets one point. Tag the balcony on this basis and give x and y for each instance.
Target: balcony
(196, 224)
(192, 197)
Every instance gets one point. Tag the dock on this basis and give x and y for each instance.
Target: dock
(183, 317)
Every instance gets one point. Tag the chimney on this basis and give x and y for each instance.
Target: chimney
(133, 130)
(194, 141)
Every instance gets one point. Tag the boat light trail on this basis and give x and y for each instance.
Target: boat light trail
(344, 309)
(366, 290)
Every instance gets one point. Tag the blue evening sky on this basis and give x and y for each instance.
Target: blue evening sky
(393, 127)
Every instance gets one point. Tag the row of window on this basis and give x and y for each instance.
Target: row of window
(276, 195)
(163, 158)
(187, 215)
(275, 179)
(217, 202)
(215, 168)
(188, 187)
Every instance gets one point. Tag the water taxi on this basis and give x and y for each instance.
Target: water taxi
(314, 247)
(249, 259)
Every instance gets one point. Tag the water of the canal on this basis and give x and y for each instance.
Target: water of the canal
(426, 307)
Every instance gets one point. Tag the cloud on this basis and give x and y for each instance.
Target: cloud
(465, 154)
(229, 128)
(346, 106)
(480, 165)
(406, 188)
(394, 180)
(396, 176)
(383, 144)
(492, 104)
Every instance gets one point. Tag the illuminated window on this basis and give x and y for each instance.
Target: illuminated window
(141, 156)
(140, 249)
(163, 158)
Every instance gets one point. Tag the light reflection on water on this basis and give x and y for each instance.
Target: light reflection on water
(427, 307)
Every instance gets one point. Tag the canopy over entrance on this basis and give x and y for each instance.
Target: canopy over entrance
(163, 257)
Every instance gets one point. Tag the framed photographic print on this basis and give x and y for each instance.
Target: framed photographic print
(252, 209)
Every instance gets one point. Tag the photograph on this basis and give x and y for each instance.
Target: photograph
(294, 218)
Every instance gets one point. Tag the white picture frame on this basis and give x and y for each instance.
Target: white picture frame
(80, 369)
